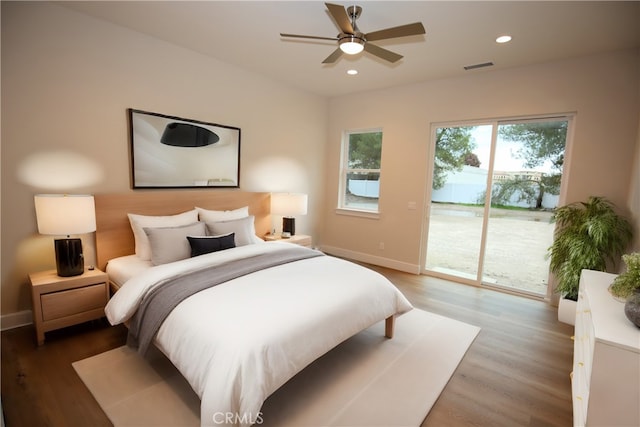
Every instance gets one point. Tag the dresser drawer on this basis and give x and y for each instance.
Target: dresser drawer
(56, 305)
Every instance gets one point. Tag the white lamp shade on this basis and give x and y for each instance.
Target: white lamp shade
(62, 214)
(288, 204)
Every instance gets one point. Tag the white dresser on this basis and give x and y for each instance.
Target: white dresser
(606, 358)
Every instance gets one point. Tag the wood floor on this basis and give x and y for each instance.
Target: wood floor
(516, 373)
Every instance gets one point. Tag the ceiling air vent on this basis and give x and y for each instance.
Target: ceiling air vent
(473, 67)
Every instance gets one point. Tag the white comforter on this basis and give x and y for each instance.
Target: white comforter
(238, 342)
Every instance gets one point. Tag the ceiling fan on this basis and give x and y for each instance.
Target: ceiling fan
(352, 41)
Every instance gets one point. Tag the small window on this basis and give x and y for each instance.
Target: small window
(360, 172)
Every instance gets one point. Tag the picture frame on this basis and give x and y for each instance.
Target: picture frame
(174, 152)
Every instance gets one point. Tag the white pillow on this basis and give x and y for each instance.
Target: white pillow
(207, 215)
(138, 222)
(243, 228)
(169, 244)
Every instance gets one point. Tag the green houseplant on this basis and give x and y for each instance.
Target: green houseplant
(628, 283)
(588, 235)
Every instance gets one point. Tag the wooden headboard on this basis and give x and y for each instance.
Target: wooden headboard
(114, 237)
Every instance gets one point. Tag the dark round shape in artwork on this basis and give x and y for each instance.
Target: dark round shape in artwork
(187, 135)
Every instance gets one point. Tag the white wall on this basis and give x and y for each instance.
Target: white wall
(601, 90)
(67, 81)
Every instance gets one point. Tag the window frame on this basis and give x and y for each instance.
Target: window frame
(343, 208)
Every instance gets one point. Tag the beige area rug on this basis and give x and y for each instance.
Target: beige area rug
(367, 380)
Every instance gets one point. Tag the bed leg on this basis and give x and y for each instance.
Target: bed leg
(388, 326)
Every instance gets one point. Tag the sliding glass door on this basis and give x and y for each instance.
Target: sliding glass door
(493, 189)
(456, 214)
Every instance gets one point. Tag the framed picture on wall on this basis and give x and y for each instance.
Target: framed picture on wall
(172, 152)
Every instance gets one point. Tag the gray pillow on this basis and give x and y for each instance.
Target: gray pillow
(138, 222)
(169, 244)
(243, 229)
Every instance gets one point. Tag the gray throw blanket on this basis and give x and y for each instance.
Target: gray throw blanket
(157, 305)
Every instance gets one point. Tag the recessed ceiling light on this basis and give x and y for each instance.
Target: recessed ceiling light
(503, 39)
(352, 72)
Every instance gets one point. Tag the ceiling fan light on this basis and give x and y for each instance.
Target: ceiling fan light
(351, 45)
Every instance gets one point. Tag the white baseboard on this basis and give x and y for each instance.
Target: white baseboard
(371, 259)
(15, 320)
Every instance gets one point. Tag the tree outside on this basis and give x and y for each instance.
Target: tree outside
(540, 144)
(454, 147)
(365, 150)
(363, 170)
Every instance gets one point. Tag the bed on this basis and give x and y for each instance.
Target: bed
(279, 307)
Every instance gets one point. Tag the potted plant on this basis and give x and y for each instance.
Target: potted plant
(626, 286)
(589, 235)
(627, 283)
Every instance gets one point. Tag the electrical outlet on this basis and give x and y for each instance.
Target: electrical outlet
(381, 246)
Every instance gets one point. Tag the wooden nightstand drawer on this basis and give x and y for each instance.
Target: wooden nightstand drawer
(67, 303)
(59, 302)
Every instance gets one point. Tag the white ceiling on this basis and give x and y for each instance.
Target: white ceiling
(246, 34)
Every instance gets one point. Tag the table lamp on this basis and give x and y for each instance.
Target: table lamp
(65, 214)
(287, 205)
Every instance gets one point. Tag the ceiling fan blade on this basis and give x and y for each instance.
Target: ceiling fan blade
(385, 54)
(333, 57)
(339, 15)
(299, 36)
(401, 31)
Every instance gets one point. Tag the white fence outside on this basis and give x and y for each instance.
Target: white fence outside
(364, 188)
(468, 186)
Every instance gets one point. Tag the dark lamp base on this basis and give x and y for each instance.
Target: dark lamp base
(289, 225)
(69, 257)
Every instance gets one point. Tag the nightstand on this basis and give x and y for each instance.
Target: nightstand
(298, 239)
(59, 302)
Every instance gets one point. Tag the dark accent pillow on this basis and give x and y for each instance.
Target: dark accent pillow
(208, 244)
